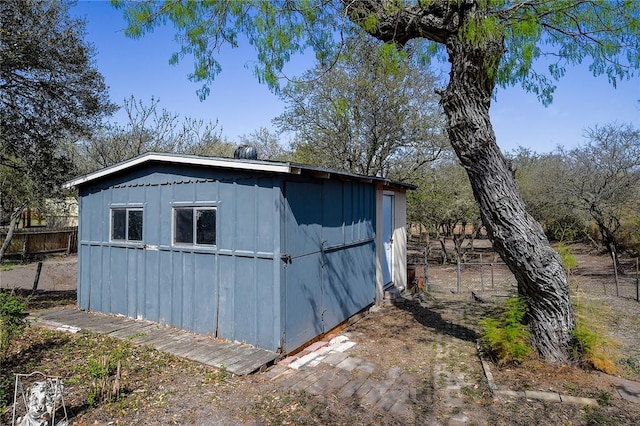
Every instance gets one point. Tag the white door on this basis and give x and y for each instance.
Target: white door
(387, 236)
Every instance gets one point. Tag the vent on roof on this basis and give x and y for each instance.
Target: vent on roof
(246, 152)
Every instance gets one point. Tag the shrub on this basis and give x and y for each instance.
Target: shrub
(568, 258)
(106, 376)
(565, 228)
(590, 346)
(12, 315)
(507, 336)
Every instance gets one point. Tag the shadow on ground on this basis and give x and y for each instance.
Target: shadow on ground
(433, 320)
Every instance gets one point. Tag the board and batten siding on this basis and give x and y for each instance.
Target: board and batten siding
(329, 242)
(230, 290)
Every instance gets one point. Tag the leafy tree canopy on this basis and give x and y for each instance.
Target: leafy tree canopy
(50, 92)
(551, 35)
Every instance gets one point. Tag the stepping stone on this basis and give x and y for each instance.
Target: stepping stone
(627, 389)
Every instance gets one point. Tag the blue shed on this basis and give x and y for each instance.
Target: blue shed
(268, 253)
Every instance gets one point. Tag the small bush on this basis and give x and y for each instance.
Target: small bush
(565, 228)
(591, 347)
(507, 336)
(568, 258)
(106, 375)
(12, 315)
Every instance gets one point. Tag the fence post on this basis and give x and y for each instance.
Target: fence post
(458, 274)
(615, 273)
(637, 283)
(481, 277)
(24, 247)
(35, 281)
(69, 243)
(492, 276)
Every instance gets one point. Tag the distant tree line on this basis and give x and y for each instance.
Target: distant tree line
(588, 193)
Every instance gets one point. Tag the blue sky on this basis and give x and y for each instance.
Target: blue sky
(242, 105)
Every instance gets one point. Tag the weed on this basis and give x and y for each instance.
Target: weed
(631, 364)
(590, 345)
(506, 336)
(136, 335)
(219, 376)
(5, 267)
(106, 374)
(12, 314)
(570, 389)
(604, 398)
(568, 258)
(595, 416)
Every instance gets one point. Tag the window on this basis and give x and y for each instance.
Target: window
(194, 226)
(126, 224)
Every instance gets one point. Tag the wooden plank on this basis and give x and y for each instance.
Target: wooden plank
(156, 338)
(202, 354)
(130, 330)
(100, 325)
(179, 346)
(244, 352)
(220, 354)
(107, 327)
(237, 358)
(62, 314)
(253, 361)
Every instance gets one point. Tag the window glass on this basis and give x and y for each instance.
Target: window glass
(126, 224)
(183, 228)
(118, 224)
(194, 225)
(134, 227)
(206, 226)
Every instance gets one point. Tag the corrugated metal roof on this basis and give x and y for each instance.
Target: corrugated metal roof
(230, 164)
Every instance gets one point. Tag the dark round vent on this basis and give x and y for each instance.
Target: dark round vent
(246, 152)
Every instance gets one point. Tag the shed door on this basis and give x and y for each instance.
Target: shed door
(387, 238)
(303, 263)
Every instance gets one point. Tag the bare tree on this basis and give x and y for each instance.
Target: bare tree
(602, 177)
(268, 145)
(365, 114)
(147, 129)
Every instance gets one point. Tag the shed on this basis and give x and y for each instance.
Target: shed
(272, 254)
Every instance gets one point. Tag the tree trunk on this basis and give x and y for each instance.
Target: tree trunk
(515, 235)
(608, 238)
(12, 227)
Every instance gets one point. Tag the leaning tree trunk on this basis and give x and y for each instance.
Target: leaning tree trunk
(12, 227)
(515, 235)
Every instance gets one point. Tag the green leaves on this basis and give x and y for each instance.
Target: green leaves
(506, 335)
(12, 314)
(277, 30)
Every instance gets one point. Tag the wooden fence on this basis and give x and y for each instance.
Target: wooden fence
(39, 241)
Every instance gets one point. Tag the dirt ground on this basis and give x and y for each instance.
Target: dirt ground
(432, 337)
(58, 273)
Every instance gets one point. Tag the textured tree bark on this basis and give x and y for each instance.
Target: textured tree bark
(515, 235)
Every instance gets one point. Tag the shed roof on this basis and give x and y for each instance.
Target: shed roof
(230, 164)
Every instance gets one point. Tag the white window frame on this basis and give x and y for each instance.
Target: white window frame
(194, 209)
(126, 239)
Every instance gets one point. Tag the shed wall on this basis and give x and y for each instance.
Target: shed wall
(230, 290)
(329, 241)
